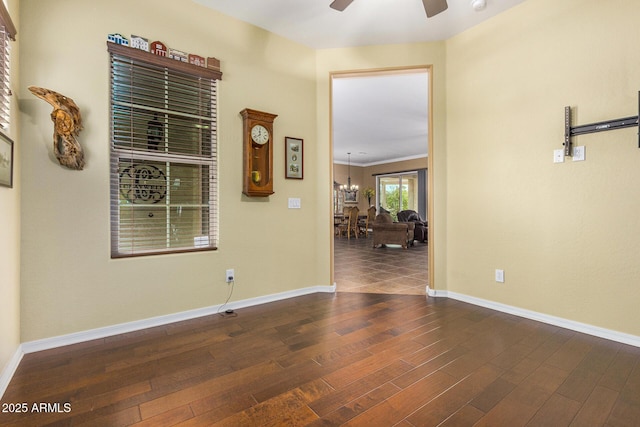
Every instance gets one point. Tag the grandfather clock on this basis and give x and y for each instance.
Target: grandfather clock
(257, 152)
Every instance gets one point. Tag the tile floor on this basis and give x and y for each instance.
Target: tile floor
(390, 270)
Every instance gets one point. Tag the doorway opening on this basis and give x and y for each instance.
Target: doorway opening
(381, 145)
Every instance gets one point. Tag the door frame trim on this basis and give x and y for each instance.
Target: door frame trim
(430, 196)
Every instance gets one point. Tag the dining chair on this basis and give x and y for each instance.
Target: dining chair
(351, 223)
(365, 223)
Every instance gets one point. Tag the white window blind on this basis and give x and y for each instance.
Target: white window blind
(7, 32)
(163, 155)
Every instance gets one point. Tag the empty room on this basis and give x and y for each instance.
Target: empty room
(169, 195)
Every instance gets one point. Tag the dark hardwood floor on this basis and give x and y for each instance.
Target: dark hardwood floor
(359, 359)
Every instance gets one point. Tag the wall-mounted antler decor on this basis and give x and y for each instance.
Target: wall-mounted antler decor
(67, 123)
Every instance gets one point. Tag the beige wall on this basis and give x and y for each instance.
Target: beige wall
(10, 220)
(567, 235)
(382, 57)
(69, 282)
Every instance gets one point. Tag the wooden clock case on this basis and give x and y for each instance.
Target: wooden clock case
(257, 158)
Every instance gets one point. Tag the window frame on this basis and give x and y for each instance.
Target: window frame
(209, 206)
(7, 33)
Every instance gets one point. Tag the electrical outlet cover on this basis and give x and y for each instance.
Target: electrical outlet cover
(579, 153)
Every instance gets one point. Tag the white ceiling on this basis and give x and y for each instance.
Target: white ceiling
(384, 117)
(364, 22)
(380, 118)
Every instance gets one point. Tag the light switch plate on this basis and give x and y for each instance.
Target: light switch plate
(294, 203)
(558, 156)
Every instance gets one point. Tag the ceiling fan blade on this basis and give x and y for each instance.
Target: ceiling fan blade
(434, 7)
(340, 4)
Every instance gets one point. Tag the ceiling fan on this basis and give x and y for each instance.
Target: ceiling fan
(432, 7)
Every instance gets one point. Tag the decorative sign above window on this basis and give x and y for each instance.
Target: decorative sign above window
(160, 49)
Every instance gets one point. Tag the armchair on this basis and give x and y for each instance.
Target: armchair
(421, 231)
(385, 231)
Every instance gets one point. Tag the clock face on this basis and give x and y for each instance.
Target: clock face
(259, 134)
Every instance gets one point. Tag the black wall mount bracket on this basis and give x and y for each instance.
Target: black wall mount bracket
(570, 131)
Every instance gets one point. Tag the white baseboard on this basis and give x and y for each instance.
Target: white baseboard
(9, 370)
(122, 328)
(540, 317)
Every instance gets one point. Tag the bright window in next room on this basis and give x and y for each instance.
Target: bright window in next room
(398, 192)
(163, 155)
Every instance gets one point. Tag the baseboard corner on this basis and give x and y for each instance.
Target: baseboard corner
(434, 293)
(10, 369)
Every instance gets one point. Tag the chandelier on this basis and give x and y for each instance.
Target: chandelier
(349, 188)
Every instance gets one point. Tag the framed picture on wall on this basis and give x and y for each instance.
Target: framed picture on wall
(6, 161)
(294, 153)
(351, 196)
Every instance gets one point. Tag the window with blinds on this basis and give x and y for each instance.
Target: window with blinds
(163, 154)
(7, 33)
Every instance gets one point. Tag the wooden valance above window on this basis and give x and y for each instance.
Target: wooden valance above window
(163, 61)
(7, 23)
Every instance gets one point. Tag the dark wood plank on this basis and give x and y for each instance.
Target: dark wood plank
(357, 406)
(620, 368)
(286, 409)
(465, 417)
(168, 418)
(519, 406)
(571, 353)
(597, 408)
(626, 410)
(361, 368)
(492, 394)
(430, 367)
(358, 388)
(557, 411)
(455, 398)
(404, 403)
(210, 387)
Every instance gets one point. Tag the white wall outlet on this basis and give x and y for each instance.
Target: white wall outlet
(558, 156)
(230, 276)
(294, 203)
(500, 276)
(579, 153)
